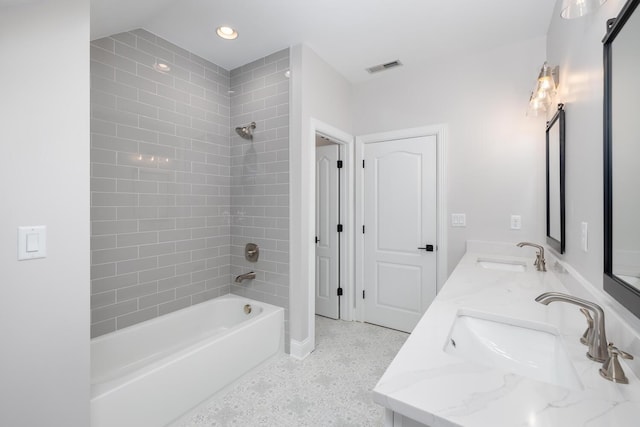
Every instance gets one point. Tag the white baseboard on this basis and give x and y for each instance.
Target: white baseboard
(301, 349)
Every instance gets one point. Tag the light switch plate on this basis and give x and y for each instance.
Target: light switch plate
(516, 222)
(458, 220)
(32, 242)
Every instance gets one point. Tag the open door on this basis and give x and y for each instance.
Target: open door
(328, 230)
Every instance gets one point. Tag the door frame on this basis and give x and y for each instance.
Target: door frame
(440, 132)
(347, 242)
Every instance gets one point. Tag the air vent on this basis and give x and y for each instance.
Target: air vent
(382, 67)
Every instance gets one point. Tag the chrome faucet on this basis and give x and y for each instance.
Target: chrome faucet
(540, 263)
(245, 276)
(597, 340)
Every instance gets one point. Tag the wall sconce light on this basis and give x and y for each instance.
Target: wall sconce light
(572, 9)
(542, 96)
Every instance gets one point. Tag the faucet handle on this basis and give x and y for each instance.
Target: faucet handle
(611, 369)
(541, 263)
(588, 333)
(615, 351)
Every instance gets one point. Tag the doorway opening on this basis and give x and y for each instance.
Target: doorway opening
(346, 310)
(329, 228)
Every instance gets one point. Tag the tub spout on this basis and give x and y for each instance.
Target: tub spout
(245, 276)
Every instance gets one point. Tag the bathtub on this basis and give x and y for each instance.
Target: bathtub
(150, 374)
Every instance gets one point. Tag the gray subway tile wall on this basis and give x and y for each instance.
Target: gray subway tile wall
(260, 179)
(160, 180)
(176, 194)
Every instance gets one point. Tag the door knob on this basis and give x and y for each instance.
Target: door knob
(428, 248)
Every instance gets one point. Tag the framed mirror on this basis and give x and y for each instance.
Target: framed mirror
(555, 180)
(621, 157)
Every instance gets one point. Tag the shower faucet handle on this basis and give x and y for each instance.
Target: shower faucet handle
(251, 252)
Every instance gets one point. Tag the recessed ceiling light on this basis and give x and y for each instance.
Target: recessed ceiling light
(162, 67)
(227, 33)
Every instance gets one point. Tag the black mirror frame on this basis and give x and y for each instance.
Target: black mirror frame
(624, 293)
(557, 120)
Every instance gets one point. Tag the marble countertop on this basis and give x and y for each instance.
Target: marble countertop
(438, 389)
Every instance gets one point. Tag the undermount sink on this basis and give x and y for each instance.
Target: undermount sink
(529, 349)
(501, 264)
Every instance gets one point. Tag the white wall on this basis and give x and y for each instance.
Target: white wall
(576, 46)
(495, 154)
(317, 92)
(44, 180)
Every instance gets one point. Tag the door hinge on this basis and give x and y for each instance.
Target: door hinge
(363, 163)
(339, 228)
(339, 164)
(317, 240)
(339, 292)
(363, 229)
(362, 294)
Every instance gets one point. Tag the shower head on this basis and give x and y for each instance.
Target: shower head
(246, 132)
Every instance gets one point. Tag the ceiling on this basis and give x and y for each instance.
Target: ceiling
(351, 35)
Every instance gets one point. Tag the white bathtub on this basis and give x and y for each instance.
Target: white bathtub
(150, 374)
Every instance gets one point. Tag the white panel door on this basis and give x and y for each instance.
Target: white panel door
(327, 243)
(400, 230)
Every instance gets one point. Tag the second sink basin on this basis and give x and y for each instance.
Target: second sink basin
(528, 349)
(501, 264)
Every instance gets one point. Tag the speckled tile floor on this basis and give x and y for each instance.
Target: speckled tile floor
(331, 387)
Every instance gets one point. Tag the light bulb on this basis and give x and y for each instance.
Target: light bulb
(546, 81)
(227, 33)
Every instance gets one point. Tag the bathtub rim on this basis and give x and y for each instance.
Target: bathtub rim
(99, 389)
